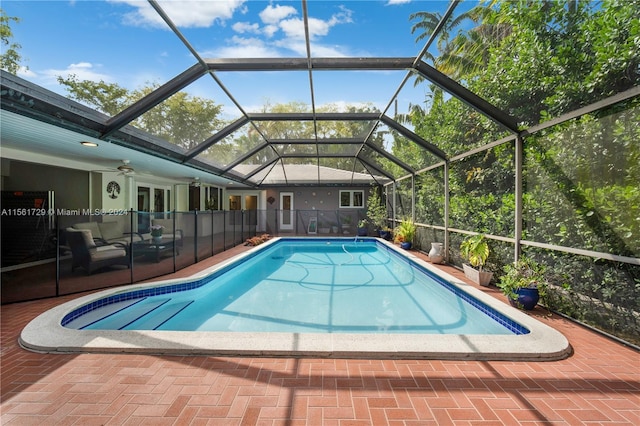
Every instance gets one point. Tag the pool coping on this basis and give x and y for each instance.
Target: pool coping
(46, 334)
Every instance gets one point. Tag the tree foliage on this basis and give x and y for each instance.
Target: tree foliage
(461, 53)
(10, 57)
(183, 120)
(109, 98)
(581, 178)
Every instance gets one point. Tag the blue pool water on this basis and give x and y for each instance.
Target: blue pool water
(304, 286)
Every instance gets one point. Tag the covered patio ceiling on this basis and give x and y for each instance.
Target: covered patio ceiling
(302, 143)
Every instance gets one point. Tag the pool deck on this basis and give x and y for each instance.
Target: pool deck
(599, 383)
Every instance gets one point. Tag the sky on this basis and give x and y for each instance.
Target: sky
(127, 42)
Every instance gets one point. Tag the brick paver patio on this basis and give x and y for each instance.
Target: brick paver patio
(599, 384)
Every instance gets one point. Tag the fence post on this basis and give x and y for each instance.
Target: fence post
(131, 228)
(212, 234)
(195, 235)
(175, 251)
(224, 230)
(55, 214)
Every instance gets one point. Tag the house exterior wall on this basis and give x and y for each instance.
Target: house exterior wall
(313, 198)
(71, 187)
(322, 203)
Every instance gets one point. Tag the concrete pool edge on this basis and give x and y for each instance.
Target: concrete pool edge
(543, 343)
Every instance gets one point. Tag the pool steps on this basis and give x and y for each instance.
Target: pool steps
(98, 313)
(137, 313)
(166, 312)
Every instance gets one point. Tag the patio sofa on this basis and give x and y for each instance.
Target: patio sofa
(111, 232)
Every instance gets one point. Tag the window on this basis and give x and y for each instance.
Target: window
(352, 199)
(212, 197)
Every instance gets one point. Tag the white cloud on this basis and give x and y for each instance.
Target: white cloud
(82, 70)
(49, 78)
(324, 51)
(343, 106)
(246, 27)
(274, 14)
(243, 47)
(342, 17)
(318, 50)
(396, 2)
(282, 32)
(292, 28)
(270, 30)
(185, 14)
(25, 72)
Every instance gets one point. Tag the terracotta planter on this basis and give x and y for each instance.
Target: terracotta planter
(479, 277)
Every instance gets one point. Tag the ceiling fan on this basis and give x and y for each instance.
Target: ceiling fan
(124, 169)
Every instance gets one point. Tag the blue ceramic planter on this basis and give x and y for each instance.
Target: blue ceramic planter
(384, 234)
(527, 298)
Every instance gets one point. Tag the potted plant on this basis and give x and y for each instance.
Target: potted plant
(475, 250)
(524, 283)
(156, 233)
(346, 224)
(362, 228)
(385, 233)
(323, 227)
(404, 233)
(377, 214)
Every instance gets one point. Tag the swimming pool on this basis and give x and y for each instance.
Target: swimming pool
(358, 298)
(305, 286)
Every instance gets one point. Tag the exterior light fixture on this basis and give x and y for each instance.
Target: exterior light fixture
(90, 144)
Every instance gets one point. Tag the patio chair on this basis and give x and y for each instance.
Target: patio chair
(90, 257)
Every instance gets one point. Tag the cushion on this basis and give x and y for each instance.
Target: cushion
(91, 226)
(111, 230)
(87, 236)
(107, 252)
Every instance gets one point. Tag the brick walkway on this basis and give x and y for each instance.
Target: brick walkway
(599, 384)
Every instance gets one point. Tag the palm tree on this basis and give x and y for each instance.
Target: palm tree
(467, 52)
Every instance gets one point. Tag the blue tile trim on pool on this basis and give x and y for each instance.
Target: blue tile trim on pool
(137, 294)
(508, 323)
(505, 321)
(147, 292)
